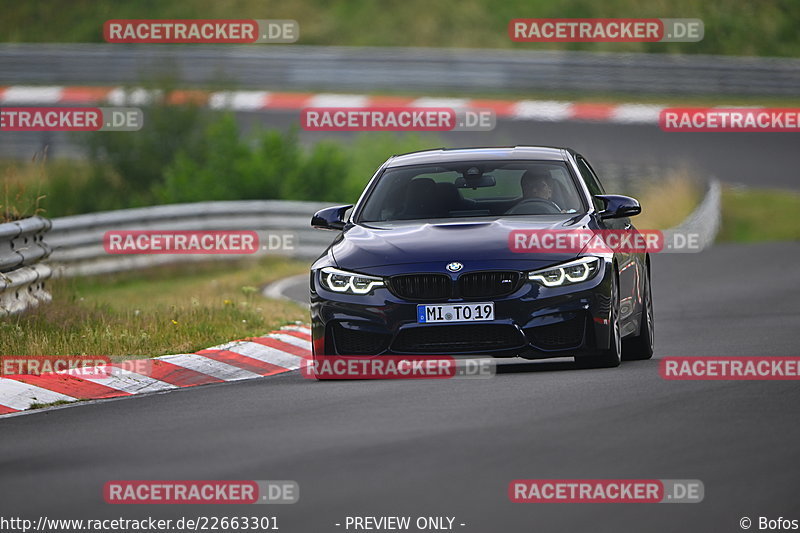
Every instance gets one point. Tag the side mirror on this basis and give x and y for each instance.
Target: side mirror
(618, 206)
(330, 217)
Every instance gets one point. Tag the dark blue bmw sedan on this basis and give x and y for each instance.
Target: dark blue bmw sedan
(424, 263)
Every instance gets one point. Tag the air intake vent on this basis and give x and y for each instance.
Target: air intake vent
(354, 342)
(488, 284)
(561, 335)
(459, 339)
(421, 286)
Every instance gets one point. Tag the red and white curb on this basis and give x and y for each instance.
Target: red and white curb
(280, 351)
(537, 110)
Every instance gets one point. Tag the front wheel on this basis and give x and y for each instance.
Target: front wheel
(611, 357)
(640, 347)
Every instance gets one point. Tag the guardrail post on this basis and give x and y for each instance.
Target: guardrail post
(22, 275)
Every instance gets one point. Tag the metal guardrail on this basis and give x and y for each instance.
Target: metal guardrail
(299, 67)
(705, 220)
(22, 275)
(77, 241)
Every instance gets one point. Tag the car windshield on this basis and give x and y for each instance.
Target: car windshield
(473, 189)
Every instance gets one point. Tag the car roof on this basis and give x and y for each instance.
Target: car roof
(449, 155)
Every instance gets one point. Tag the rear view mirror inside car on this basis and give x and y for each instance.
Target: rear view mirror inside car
(484, 180)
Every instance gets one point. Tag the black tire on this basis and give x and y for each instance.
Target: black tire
(640, 347)
(612, 356)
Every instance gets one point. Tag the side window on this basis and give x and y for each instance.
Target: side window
(591, 182)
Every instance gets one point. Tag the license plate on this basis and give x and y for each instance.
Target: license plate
(477, 312)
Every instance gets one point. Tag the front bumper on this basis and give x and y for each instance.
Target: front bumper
(533, 322)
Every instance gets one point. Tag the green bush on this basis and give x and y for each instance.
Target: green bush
(273, 166)
(186, 155)
(320, 176)
(131, 165)
(205, 172)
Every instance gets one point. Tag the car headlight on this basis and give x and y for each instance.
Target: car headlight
(567, 273)
(342, 281)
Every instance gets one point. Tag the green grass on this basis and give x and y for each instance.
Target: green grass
(21, 197)
(37, 405)
(667, 202)
(732, 27)
(757, 215)
(170, 309)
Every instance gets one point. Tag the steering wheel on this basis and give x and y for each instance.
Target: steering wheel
(550, 208)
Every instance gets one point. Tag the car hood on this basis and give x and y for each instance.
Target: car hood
(384, 247)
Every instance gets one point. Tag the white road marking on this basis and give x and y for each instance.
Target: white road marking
(291, 339)
(31, 95)
(238, 100)
(130, 382)
(269, 355)
(204, 365)
(20, 396)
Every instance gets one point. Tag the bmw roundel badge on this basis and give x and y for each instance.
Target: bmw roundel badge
(455, 266)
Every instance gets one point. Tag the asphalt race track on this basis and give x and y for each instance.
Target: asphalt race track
(450, 448)
(755, 159)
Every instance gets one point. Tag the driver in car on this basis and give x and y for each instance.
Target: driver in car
(536, 185)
